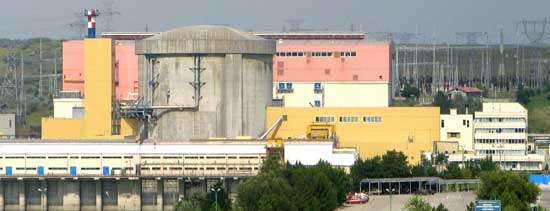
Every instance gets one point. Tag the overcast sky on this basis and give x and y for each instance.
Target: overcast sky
(442, 18)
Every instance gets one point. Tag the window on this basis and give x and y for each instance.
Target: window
(281, 85)
(289, 85)
(453, 135)
(442, 123)
(355, 77)
(280, 71)
(317, 85)
(348, 119)
(10, 123)
(324, 119)
(317, 103)
(327, 71)
(371, 119)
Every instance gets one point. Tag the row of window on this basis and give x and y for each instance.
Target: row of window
(513, 119)
(464, 123)
(500, 130)
(499, 152)
(368, 119)
(497, 141)
(317, 54)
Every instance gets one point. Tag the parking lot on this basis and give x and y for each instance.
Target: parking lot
(454, 201)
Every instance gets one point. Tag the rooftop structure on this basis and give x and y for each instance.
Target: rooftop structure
(132, 36)
(312, 35)
(7, 125)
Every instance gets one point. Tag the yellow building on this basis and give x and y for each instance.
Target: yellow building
(98, 121)
(373, 131)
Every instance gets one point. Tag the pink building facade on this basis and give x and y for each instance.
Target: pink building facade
(126, 70)
(332, 61)
(332, 73)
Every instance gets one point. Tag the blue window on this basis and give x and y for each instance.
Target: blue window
(72, 171)
(289, 85)
(40, 170)
(281, 85)
(317, 103)
(317, 85)
(106, 171)
(9, 171)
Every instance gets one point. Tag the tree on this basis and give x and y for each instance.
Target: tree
(417, 204)
(423, 169)
(269, 190)
(223, 200)
(522, 95)
(394, 164)
(443, 102)
(440, 207)
(452, 171)
(410, 91)
(471, 206)
(193, 202)
(514, 191)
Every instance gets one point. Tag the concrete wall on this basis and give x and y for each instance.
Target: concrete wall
(333, 94)
(411, 130)
(236, 91)
(7, 125)
(63, 107)
(97, 195)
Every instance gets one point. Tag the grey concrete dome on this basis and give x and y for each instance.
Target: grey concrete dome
(205, 39)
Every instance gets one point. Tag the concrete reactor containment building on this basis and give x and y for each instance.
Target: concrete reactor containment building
(205, 81)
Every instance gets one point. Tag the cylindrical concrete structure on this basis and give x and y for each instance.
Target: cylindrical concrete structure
(234, 82)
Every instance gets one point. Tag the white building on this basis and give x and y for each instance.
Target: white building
(500, 132)
(311, 152)
(332, 94)
(456, 127)
(68, 104)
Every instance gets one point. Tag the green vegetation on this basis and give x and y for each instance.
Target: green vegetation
(513, 190)
(537, 103)
(198, 200)
(445, 104)
(296, 187)
(11, 52)
(394, 164)
(419, 204)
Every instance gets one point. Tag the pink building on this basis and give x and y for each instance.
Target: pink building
(332, 73)
(126, 70)
(332, 61)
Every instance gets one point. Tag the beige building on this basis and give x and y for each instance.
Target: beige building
(457, 128)
(7, 125)
(500, 132)
(332, 94)
(68, 105)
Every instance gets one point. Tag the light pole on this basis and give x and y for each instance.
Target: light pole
(42, 191)
(391, 192)
(216, 195)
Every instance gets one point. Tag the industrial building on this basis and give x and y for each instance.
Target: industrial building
(125, 68)
(7, 126)
(98, 120)
(500, 132)
(123, 175)
(230, 77)
(458, 128)
(372, 131)
(332, 73)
